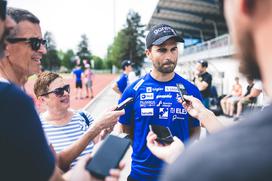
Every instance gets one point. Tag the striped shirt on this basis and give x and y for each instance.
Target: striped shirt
(63, 136)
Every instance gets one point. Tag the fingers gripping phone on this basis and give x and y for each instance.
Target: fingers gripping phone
(182, 91)
(108, 156)
(123, 104)
(164, 135)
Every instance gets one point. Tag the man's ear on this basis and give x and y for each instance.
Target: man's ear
(148, 53)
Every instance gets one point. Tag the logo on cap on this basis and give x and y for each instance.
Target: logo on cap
(161, 33)
(165, 29)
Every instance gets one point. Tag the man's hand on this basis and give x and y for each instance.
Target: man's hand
(196, 74)
(193, 106)
(197, 110)
(79, 172)
(167, 153)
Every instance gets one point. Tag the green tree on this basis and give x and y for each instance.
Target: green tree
(108, 61)
(116, 52)
(135, 33)
(51, 60)
(98, 62)
(68, 59)
(83, 48)
(128, 44)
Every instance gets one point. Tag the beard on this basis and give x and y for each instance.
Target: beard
(247, 56)
(165, 68)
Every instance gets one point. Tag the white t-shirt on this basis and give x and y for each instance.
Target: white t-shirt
(258, 85)
(265, 101)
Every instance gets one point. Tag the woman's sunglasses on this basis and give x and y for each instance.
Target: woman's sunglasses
(59, 92)
(35, 43)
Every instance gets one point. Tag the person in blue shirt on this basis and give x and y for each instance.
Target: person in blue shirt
(77, 75)
(122, 82)
(156, 102)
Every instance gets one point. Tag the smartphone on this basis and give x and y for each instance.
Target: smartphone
(123, 104)
(108, 156)
(164, 135)
(182, 91)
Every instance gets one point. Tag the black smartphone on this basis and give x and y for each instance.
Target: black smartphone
(108, 156)
(164, 135)
(123, 104)
(182, 91)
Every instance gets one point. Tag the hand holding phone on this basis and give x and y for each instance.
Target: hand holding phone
(182, 91)
(108, 156)
(164, 135)
(123, 104)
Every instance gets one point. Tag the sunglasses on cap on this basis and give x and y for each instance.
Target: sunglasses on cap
(34, 42)
(59, 92)
(3, 9)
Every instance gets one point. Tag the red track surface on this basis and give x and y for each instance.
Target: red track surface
(100, 81)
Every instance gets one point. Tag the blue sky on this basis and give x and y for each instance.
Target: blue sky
(68, 20)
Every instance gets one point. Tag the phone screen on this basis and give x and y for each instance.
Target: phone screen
(182, 91)
(164, 134)
(123, 104)
(108, 156)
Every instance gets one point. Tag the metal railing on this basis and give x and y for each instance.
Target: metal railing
(221, 41)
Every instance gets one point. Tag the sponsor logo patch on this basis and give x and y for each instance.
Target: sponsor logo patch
(164, 96)
(147, 103)
(157, 89)
(163, 114)
(166, 104)
(147, 96)
(159, 104)
(181, 111)
(171, 89)
(147, 112)
(152, 89)
(175, 117)
(149, 89)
